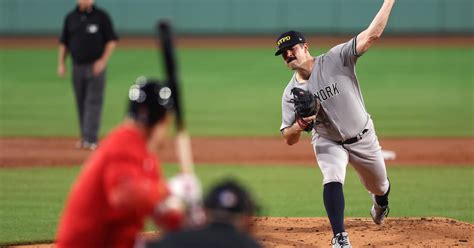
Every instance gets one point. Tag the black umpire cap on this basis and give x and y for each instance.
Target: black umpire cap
(287, 40)
(229, 196)
(149, 101)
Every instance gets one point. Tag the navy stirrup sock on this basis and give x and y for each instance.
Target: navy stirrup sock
(333, 197)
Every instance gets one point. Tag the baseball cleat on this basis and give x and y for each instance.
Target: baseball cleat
(341, 240)
(89, 145)
(379, 213)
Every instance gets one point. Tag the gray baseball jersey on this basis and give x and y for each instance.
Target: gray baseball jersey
(333, 80)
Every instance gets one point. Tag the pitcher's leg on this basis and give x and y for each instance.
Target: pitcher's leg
(93, 106)
(367, 159)
(332, 160)
(372, 173)
(374, 177)
(333, 197)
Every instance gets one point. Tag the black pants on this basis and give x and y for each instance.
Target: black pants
(89, 92)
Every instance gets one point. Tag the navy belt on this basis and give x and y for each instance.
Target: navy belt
(354, 139)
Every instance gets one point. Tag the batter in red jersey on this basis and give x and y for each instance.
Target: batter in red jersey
(121, 184)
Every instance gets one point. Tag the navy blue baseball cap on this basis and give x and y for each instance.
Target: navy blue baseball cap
(230, 196)
(287, 40)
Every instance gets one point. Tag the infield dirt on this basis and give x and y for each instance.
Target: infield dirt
(23, 151)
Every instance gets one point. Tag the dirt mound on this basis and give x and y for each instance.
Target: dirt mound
(396, 232)
(411, 151)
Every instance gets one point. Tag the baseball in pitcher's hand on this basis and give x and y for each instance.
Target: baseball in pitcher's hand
(61, 70)
(99, 66)
(306, 123)
(309, 119)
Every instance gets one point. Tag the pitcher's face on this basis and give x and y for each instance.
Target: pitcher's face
(295, 56)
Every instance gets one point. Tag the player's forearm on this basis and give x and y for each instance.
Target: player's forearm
(292, 134)
(62, 54)
(376, 27)
(109, 48)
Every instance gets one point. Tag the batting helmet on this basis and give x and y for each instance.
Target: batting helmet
(149, 101)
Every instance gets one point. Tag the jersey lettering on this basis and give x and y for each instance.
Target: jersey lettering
(328, 92)
(334, 88)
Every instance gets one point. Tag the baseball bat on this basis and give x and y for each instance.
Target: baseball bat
(183, 141)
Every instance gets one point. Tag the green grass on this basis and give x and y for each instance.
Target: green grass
(32, 198)
(237, 92)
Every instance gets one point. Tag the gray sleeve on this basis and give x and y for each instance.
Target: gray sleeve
(287, 110)
(345, 52)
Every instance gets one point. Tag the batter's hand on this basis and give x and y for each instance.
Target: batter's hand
(98, 67)
(61, 70)
(187, 188)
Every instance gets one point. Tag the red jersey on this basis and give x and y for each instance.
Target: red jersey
(90, 219)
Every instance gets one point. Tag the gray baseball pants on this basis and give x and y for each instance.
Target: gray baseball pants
(365, 156)
(89, 92)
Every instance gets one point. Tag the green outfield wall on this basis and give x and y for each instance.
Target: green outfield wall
(45, 17)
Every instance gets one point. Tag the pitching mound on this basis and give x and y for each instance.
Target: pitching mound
(396, 232)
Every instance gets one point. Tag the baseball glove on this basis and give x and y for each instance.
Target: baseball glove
(306, 104)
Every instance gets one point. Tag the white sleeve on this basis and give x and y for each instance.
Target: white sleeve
(287, 110)
(345, 52)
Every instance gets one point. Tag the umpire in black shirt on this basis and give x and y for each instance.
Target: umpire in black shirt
(229, 208)
(89, 37)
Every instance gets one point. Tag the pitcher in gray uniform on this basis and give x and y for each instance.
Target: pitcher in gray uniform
(342, 130)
